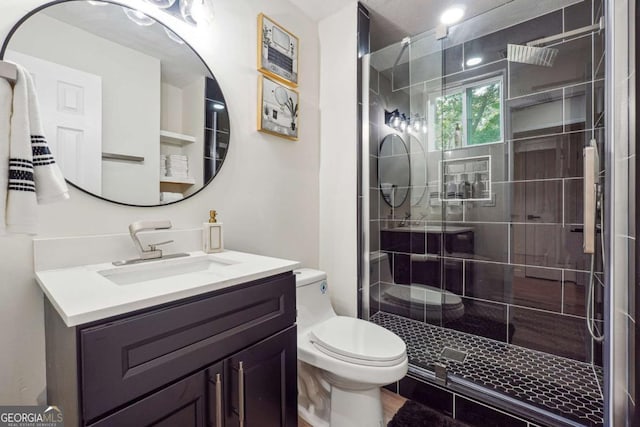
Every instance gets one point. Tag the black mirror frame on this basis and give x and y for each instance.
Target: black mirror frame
(22, 20)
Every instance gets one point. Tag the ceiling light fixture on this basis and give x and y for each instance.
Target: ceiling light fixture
(400, 122)
(138, 17)
(197, 11)
(472, 62)
(162, 4)
(173, 36)
(452, 15)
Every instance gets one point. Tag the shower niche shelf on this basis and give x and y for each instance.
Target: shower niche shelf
(453, 172)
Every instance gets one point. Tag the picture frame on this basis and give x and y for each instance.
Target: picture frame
(278, 107)
(278, 51)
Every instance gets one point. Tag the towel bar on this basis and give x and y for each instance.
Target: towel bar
(122, 157)
(8, 71)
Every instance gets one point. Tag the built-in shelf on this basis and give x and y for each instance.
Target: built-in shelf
(458, 170)
(176, 138)
(174, 180)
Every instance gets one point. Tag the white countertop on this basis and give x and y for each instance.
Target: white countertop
(82, 295)
(449, 229)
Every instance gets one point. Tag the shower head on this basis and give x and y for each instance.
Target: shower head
(543, 56)
(534, 54)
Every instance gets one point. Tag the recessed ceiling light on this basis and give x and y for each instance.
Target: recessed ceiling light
(452, 15)
(472, 62)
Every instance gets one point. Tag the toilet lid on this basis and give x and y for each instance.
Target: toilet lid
(423, 294)
(358, 341)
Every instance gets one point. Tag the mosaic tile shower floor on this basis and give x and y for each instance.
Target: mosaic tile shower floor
(562, 386)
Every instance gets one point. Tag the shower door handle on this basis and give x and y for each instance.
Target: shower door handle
(589, 208)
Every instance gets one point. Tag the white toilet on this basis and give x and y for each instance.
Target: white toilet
(342, 361)
(424, 302)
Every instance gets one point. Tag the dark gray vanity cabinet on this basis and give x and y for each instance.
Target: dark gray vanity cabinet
(212, 360)
(262, 383)
(181, 404)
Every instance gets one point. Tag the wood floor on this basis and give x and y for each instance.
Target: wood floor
(391, 403)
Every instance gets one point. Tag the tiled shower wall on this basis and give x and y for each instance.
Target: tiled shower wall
(523, 276)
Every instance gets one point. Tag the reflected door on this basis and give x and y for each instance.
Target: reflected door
(536, 204)
(71, 113)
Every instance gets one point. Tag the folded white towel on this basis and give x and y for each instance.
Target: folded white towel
(167, 197)
(34, 176)
(6, 98)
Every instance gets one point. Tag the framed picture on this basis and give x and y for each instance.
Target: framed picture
(277, 108)
(277, 51)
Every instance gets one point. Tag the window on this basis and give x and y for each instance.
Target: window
(466, 115)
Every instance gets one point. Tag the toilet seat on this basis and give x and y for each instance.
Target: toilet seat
(423, 294)
(358, 341)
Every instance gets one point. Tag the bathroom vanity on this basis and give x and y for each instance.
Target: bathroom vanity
(223, 356)
(416, 249)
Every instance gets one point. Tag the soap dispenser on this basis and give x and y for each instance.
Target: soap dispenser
(212, 235)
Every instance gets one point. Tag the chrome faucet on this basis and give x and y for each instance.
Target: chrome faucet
(404, 221)
(152, 252)
(137, 227)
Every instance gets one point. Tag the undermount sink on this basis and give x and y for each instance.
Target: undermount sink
(166, 268)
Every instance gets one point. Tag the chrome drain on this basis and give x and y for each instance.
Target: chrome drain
(453, 354)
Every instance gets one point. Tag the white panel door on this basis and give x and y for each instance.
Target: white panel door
(71, 110)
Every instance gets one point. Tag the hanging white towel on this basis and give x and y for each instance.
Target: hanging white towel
(6, 98)
(34, 176)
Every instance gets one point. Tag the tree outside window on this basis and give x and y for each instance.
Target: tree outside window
(476, 110)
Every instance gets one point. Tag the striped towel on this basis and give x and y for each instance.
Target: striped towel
(34, 176)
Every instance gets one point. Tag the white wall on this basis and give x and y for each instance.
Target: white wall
(267, 191)
(338, 171)
(193, 124)
(130, 100)
(171, 110)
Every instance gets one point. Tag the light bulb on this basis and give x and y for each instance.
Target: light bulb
(452, 15)
(138, 17)
(424, 126)
(396, 122)
(416, 123)
(197, 11)
(162, 4)
(471, 62)
(173, 36)
(403, 125)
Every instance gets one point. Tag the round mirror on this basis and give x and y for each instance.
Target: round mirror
(394, 170)
(418, 170)
(131, 112)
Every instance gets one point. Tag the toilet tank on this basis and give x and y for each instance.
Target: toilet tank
(312, 298)
(379, 268)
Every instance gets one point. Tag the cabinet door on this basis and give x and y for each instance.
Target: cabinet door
(125, 359)
(262, 383)
(181, 404)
